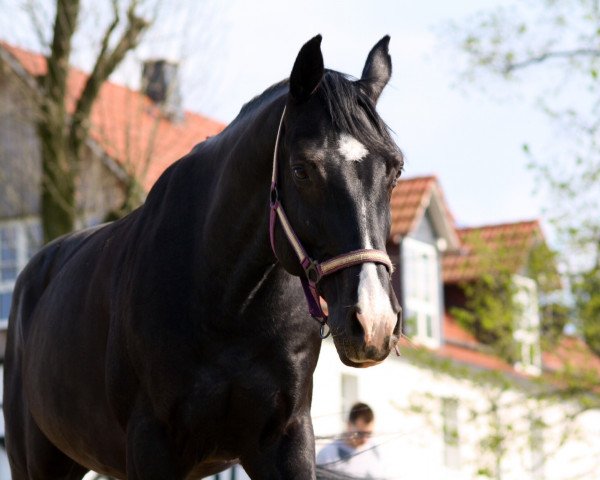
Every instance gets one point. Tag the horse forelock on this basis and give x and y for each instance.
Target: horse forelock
(348, 104)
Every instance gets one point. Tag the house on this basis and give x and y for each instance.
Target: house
(422, 232)
(449, 407)
(133, 136)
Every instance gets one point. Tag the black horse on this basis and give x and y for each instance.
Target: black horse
(175, 342)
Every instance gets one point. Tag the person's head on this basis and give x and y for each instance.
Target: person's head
(361, 421)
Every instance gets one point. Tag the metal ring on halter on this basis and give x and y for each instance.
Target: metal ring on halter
(312, 272)
(274, 195)
(324, 326)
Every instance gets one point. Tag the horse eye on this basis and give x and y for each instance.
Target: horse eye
(394, 183)
(300, 173)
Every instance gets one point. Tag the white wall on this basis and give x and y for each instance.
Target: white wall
(412, 444)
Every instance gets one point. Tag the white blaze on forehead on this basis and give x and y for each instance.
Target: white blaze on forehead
(351, 149)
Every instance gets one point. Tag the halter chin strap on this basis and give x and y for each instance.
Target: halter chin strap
(313, 270)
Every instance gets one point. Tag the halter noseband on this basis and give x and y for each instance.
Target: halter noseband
(313, 270)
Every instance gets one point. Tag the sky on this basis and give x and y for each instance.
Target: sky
(230, 51)
(472, 143)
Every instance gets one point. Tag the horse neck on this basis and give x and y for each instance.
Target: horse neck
(237, 253)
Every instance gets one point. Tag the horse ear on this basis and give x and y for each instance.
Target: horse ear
(308, 70)
(378, 69)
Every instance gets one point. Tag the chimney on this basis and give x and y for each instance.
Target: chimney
(161, 85)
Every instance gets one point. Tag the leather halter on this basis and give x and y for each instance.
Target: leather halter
(313, 270)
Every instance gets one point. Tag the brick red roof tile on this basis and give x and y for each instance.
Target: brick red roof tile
(573, 353)
(515, 240)
(570, 353)
(127, 125)
(453, 332)
(409, 200)
(475, 358)
(461, 346)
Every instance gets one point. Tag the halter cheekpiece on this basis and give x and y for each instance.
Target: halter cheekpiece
(313, 270)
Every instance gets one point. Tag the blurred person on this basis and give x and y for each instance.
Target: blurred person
(354, 454)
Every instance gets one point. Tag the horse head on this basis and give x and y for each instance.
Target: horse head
(338, 166)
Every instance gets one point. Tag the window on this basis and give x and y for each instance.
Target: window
(450, 430)
(19, 240)
(421, 291)
(8, 253)
(536, 441)
(527, 326)
(349, 394)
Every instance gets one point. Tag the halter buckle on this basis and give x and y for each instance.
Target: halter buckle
(274, 195)
(312, 272)
(325, 329)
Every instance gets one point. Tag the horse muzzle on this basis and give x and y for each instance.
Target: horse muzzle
(365, 333)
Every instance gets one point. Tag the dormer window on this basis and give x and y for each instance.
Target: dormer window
(421, 291)
(19, 240)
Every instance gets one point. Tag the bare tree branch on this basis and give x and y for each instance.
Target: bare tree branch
(65, 24)
(580, 52)
(109, 30)
(33, 13)
(56, 167)
(106, 62)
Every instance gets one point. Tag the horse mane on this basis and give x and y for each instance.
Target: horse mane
(347, 107)
(262, 97)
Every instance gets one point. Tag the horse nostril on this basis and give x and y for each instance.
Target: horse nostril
(356, 329)
(398, 327)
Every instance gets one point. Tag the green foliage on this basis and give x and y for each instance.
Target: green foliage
(542, 267)
(492, 415)
(490, 379)
(587, 295)
(558, 42)
(490, 312)
(554, 315)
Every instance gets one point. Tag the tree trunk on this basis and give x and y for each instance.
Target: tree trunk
(58, 203)
(58, 192)
(63, 136)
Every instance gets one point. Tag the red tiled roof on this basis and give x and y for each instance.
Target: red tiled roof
(571, 353)
(409, 200)
(454, 333)
(127, 125)
(461, 346)
(514, 240)
(475, 358)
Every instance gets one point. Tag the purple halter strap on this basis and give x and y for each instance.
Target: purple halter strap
(314, 270)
